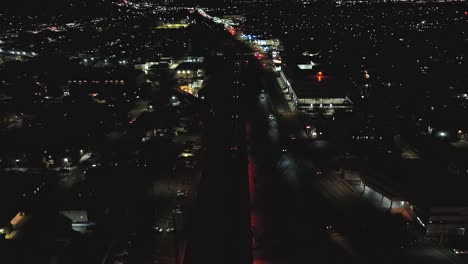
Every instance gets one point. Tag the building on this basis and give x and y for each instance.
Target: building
(79, 220)
(187, 71)
(103, 85)
(448, 221)
(316, 92)
(115, 78)
(192, 88)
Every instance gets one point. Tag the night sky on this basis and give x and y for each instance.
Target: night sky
(45, 7)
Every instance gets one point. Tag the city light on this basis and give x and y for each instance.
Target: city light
(152, 113)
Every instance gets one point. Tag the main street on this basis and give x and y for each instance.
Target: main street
(290, 222)
(219, 230)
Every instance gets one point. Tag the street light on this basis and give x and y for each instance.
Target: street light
(442, 134)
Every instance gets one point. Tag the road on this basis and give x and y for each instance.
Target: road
(288, 220)
(219, 230)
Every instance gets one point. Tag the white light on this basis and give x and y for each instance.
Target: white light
(442, 134)
(305, 66)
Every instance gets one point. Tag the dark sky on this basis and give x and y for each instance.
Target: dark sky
(48, 7)
(28, 4)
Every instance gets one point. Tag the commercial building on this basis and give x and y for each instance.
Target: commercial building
(192, 88)
(189, 70)
(79, 220)
(447, 221)
(103, 85)
(316, 92)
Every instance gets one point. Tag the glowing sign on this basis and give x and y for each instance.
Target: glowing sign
(319, 76)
